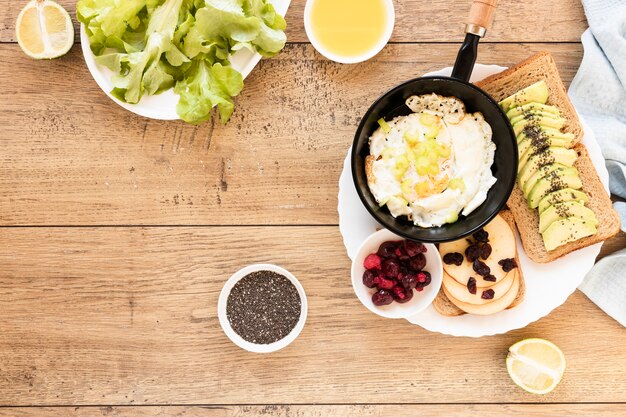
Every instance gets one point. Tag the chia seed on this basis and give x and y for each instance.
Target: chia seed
(263, 307)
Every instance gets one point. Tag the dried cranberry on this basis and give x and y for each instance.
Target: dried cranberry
(453, 258)
(404, 271)
(387, 249)
(401, 253)
(409, 281)
(372, 261)
(402, 295)
(382, 298)
(490, 278)
(418, 262)
(481, 236)
(423, 279)
(481, 268)
(368, 278)
(471, 285)
(391, 268)
(485, 251)
(472, 252)
(412, 247)
(383, 283)
(507, 264)
(488, 294)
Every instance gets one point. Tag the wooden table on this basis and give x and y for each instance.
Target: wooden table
(117, 233)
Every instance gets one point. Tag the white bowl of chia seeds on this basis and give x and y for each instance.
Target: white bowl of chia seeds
(262, 308)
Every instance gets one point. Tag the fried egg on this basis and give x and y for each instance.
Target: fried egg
(432, 164)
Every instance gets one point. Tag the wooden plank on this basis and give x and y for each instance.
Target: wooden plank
(115, 315)
(404, 410)
(420, 21)
(70, 156)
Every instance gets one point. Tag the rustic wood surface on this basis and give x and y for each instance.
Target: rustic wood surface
(117, 232)
(405, 410)
(424, 21)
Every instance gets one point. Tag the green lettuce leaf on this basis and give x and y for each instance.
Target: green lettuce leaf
(145, 71)
(271, 38)
(204, 87)
(110, 23)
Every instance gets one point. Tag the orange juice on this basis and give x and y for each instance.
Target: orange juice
(349, 28)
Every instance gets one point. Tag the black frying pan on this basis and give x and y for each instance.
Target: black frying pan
(392, 104)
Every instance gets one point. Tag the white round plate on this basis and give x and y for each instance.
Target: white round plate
(163, 106)
(547, 285)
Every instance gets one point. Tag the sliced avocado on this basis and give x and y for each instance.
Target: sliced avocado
(516, 111)
(537, 93)
(553, 154)
(561, 196)
(566, 230)
(539, 174)
(556, 180)
(546, 132)
(534, 115)
(542, 121)
(527, 143)
(532, 150)
(564, 210)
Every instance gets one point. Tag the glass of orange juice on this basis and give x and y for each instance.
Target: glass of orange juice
(349, 31)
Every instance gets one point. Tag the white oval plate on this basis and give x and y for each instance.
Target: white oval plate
(547, 285)
(163, 106)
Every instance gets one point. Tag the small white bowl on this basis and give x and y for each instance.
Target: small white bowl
(391, 18)
(396, 310)
(238, 340)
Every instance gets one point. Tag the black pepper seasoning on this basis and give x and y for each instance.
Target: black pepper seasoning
(263, 307)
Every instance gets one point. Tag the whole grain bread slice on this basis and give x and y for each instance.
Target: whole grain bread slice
(527, 219)
(445, 307)
(540, 66)
(537, 67)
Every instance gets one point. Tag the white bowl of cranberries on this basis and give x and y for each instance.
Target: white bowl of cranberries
(396, 277)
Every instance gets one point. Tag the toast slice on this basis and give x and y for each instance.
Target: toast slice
(537, 67)
(527, 219)
(445, 307)
(540, 66)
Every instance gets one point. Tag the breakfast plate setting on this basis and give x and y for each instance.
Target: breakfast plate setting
(547, 285)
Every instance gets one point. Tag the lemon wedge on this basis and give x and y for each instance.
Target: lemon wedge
(536, 365)
(44, 30)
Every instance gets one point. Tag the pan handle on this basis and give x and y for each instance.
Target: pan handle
(481, 16)
(480, 19)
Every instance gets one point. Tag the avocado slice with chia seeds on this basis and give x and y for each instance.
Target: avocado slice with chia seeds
(532, 107)
(561, 196)
(541, 121)
(551, 155)
(539, 174)
(534, 115)
(535, 93)
(564, 210)
(556, 180)
(566, 230)
(544, 132)
(528, 143)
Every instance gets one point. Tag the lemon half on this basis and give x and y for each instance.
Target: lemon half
(44, 30)
(536, 365)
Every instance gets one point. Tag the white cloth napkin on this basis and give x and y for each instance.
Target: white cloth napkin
(599, 94)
